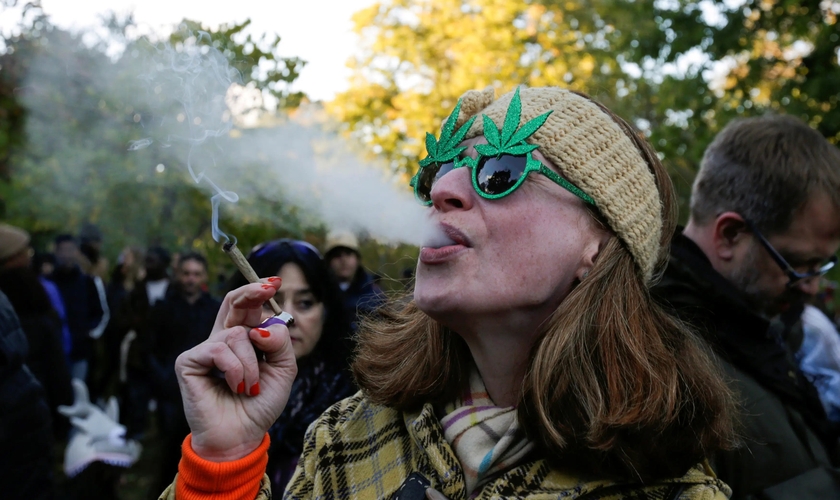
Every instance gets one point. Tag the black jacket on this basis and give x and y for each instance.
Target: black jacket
(362, 297)
(84, 311)
(26, 443)
(175, 326)
(132, 313)
(42, 327)
(790, 448)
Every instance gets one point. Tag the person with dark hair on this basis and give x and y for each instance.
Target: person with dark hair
(26, 437)
(360, 292)
(320, 340)
(126, 275)
(81, 301)
(764, 226)
(91, 260)
(130, 326)
(40, 322)
(180, 321)
(530, 361)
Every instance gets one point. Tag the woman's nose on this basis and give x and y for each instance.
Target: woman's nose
(453, 191)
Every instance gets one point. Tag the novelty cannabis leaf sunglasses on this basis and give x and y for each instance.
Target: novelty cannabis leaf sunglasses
(502, 164)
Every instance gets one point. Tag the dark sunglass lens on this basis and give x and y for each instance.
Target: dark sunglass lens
(428, 176)
(497, 175)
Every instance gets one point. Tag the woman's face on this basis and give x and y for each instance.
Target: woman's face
(296, 298)
(514, 255)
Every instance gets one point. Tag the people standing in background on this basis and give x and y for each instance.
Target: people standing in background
(130, 326)
(26, 438)
(127, 273)
(91, 260)
(764, 226)
(96, 266)
(179, 322)
(81, 300)
(360, 293)
(40, 322)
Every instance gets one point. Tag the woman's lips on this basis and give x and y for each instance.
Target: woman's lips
(430, 255)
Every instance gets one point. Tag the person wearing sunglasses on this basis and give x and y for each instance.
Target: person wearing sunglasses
(529, 361)
(764, 226)
(320, 341)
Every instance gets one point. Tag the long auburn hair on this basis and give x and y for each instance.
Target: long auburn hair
(616, 386)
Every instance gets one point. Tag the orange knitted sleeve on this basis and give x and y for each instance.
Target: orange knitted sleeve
(200, 479)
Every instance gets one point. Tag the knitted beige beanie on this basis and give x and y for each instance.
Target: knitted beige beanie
(592, 152)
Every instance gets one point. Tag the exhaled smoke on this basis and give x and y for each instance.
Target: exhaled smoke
(187, 90)
(112, 139)
(193, 89)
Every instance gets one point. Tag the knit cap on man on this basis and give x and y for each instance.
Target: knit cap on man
(13, 240)
(591, 151)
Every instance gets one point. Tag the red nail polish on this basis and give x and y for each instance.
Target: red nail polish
(275, 279)
(240, 388)
(268, 287)
(255, 389)
(263, 332)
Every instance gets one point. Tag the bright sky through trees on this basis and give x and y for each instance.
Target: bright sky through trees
(317, 31)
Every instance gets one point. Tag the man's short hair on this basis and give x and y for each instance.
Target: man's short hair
(765, 169)
(192, 256)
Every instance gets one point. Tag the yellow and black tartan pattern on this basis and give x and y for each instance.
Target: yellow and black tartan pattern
(263, 494)
(360, 450)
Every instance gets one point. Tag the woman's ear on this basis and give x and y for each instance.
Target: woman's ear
(591, 252)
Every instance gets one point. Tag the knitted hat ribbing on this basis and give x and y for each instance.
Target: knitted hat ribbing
(12, 240)
(592, 152)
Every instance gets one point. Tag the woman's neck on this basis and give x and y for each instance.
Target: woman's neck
(501, 351)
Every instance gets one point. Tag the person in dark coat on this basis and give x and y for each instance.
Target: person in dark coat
(319, 338)
(764, 225)
(129, 325)
(81, 301)
(360, 293)
(179, 322)
(26, 438)
(40, 322)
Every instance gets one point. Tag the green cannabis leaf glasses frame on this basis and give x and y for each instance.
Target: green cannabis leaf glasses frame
(502, 164)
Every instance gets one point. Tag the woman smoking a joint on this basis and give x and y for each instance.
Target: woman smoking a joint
(531, 361)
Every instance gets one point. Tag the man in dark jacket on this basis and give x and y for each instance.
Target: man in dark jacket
(39, 321)
(129, 327)
(178, 323)
(764, 225)
(26, 438)
(359, 290)
(81, 302)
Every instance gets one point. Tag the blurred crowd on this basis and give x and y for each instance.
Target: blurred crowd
(91, 348)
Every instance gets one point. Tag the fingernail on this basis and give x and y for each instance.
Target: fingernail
(263, 332)
(275, 279)
(255, 389)
(268, 287)
(433, 494)
(240, 388)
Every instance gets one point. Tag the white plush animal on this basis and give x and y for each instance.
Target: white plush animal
(97, 435)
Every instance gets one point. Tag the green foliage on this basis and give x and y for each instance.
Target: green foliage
(68, 113)
(679, 69)
(256, 60)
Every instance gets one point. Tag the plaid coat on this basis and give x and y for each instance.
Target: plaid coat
(360, 450)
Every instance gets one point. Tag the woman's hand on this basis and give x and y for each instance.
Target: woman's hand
(229, 417)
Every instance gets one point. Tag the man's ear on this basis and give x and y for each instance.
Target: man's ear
(729, 232)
